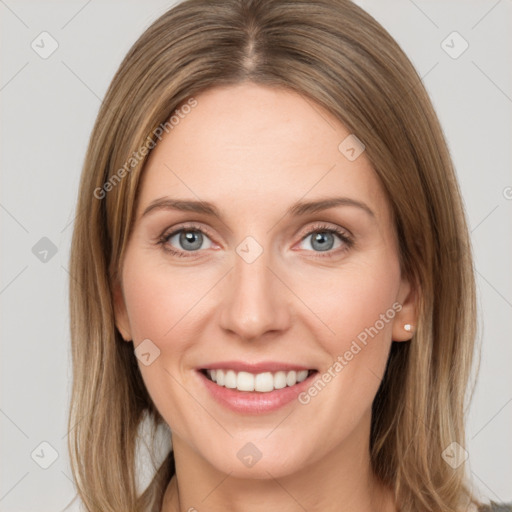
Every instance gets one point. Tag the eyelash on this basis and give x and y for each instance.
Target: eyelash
(347, 240)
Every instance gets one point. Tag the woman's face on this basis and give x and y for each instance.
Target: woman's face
(296, 273)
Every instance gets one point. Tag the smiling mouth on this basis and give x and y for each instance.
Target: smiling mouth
(264, 382)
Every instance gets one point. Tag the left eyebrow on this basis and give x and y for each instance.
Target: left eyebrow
(303, 208)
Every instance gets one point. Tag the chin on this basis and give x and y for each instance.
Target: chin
(261, 459)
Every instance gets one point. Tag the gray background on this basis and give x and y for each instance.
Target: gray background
(48, 107)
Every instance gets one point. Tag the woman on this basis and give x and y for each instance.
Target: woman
(271, 258)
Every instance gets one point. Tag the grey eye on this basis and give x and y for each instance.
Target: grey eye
(321, 241)
(189, 240)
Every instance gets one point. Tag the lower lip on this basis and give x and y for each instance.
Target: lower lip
(254, 402)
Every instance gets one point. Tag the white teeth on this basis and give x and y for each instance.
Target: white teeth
(291, 378)
(262, 382)
(245, 381)
(279, 380)
(230, 379)
(302, 375)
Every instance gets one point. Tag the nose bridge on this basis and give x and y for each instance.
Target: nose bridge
(254, 302)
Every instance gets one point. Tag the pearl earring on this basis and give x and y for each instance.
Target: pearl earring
(408, 327)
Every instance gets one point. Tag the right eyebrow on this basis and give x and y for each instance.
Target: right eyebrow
(166, 203)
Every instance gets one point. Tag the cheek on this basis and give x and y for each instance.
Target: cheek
(162, 306)
(357, 308)
(161, 301)
(357, 312)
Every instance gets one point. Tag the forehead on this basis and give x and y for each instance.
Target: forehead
(251, 144)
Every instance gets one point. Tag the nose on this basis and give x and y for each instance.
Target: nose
(255, 300)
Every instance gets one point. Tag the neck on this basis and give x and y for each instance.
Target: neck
(342, 480)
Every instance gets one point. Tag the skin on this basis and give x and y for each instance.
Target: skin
(253, 151)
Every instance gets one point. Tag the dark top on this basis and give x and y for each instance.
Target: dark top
(496, 507)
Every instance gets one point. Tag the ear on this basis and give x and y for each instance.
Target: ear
(120, 312)
(408, 297)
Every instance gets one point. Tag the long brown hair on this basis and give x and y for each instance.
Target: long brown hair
(337, 55)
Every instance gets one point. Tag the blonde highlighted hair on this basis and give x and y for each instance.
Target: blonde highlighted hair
(337, 55)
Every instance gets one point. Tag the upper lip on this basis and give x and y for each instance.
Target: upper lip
(261, 367)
